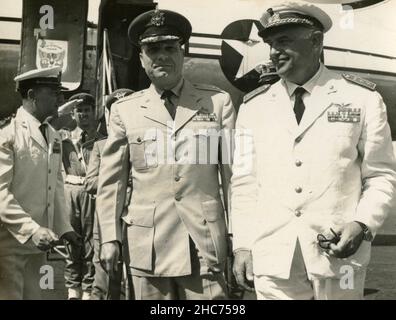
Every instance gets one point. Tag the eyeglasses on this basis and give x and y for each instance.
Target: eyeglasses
(324, 243)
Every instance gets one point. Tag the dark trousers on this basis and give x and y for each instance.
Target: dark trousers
(80, 271)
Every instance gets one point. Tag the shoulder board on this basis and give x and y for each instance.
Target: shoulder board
(256, 92)
(360, 81)
(207, 87)
(5, 121)
(131, 96)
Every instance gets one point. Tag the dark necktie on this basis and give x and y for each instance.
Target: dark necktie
(167, 97)
(43, 129)
(299, 106)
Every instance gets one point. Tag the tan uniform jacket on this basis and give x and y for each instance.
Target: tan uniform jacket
(173, 198)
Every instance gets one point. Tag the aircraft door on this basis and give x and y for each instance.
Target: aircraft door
(53, 34)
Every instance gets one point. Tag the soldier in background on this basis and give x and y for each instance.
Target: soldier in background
(33, 215)
(79, 269)
(104, 287)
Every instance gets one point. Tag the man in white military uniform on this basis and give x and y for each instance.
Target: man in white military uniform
(171, 138)
(322, 174)
(32, 203)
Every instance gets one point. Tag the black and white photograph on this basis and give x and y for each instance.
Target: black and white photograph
(231, 150)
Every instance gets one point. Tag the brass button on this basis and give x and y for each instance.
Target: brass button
(139, 139)
(49, 171)
(204, 222)
(298, 189)
(177, 178)
(297, 213)
(298, 163)
(178, 198)
(49, 188)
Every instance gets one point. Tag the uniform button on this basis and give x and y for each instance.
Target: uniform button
(298, 163)
(297, 213)
(131, 221)
(48, 205)
(204, 221)
(177, 178)
(298, 189)
(298, 139)
(139, 139)
(178, 198)
(49, 188)
(49, 171)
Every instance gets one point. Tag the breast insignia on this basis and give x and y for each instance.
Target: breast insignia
(360, 81)
(256, 92)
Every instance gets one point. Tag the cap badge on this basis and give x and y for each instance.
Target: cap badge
(158, 18)
(274, 18)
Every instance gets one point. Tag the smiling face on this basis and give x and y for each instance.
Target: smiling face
(84, 114)
(295, 52)
(163, 63)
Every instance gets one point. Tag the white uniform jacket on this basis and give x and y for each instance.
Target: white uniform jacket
(295, 181)
(31, 184)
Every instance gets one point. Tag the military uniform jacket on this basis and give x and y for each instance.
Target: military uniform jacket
(173, 197)
(31, 184)
(295, 181)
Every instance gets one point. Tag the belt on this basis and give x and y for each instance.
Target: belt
(76, 180)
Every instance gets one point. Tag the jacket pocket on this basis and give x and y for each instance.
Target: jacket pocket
(144, 149)
(141, 215)
(140, 234)
(216, 238)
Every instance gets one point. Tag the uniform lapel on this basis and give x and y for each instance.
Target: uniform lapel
(33, 131)
(155, 109)
(322, 96)
(283, 108)
(188, 105)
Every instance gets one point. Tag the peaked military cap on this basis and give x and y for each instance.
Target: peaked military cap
(116, 95)
(297, 13)
(47, 76)
(84, 98)
(159, 25)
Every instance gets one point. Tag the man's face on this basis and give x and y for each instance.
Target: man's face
(292, 52)
(84, 114)
(163, 63)
(46, 100)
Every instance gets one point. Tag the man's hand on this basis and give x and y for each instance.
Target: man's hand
(351, 236)
(73, 238)
(44, 238)
(243, 269)
(109, 255)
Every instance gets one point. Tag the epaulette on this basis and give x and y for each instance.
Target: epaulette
(255, 92)
(134, 95)
(208, 87)
(360, 81)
